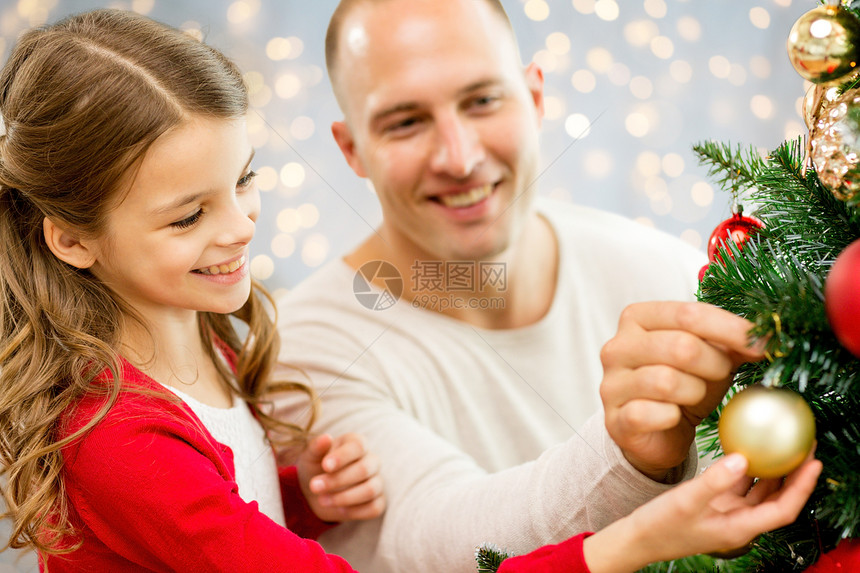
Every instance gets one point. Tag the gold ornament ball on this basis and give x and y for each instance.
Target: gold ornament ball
(822, 44)
(772, 427)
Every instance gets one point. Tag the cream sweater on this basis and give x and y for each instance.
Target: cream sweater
(484, 435)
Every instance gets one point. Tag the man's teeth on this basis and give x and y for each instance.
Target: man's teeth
(222, 269)
(467, 198)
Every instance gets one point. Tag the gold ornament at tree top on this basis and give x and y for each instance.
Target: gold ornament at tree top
(822, 44)
(835, 146)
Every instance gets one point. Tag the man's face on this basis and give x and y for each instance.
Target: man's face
(443, 120)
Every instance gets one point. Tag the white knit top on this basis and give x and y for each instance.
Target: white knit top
(254, 460)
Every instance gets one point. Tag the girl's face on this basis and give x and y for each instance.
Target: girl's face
(178, 241)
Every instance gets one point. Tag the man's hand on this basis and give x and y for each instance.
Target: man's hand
(667, 368)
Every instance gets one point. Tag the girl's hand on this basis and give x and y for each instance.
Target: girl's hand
(340, 479)
(717, 511)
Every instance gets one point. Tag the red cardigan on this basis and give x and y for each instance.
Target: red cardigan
(149, 489)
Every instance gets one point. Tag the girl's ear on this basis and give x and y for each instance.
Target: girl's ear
(66, 245)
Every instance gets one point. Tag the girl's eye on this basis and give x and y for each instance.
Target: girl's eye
(247, 179)
(188, 221)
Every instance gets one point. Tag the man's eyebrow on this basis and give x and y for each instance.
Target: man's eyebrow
(194, 197)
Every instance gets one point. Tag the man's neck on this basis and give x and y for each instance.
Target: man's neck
(513, 290)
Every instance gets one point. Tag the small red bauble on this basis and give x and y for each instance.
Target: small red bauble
(737, 229)
(842, 298)
(844, 559)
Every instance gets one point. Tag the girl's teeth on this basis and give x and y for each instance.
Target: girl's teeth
(467, 198)
(223, 269)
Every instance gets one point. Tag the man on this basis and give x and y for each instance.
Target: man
(478, 388)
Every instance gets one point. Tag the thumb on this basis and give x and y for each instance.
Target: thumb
(317, 448)
(717, 479)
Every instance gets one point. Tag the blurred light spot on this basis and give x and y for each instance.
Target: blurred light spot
(692, 238)
(597, 163)
(619, 74)
(689, 28)
(302, 127)
(794, 129)
(760, 67)
(288, 220)
(645, 221)
(641, 87)
(537, 10)
(722, 111)
(297, 46)
(681, 71)
(546, 60)
(35, 12)
(737, 75)
(662, 205)
(656, 187)
(309, 215)
(260, 97)
(640, 32)
(784, 3)
(662, 47)
(719, 66)
(142, 6)
(655, 8)
(283, 245)
(606, 10)
(584, 6)
(287, 86)
(673, 164)
(278, 49)
(583, 81)
(262, 267)
(254, 81)
(292, 174)
(267, 178)
(759, 17)
(598, 59)
(761, 106)
(315, 250)
(648, 163)
(553, 107)
(242, 10)
(702, 194)
(192, 28)
(637, 124)
(577, 125)
(315, 74)
(558, 43)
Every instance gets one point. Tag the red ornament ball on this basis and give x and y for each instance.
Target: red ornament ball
(737, 229)
(842, 298)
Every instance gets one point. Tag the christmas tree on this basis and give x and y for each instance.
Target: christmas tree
(793, 270)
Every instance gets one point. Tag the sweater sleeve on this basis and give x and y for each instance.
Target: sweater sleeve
(439, 497)
(151, 488)
(565, 556)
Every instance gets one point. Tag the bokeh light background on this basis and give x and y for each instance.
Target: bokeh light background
(630, 86)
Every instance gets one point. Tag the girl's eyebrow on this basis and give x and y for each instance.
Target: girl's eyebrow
(194, 197)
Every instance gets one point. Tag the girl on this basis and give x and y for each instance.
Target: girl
(126, 207)
(127, 203)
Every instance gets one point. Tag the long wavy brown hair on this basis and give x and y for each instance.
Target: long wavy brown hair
(81, 101)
